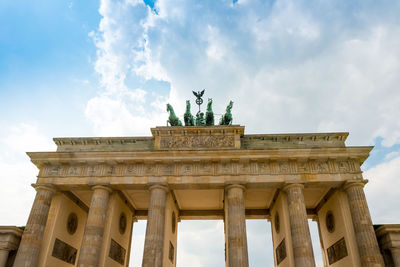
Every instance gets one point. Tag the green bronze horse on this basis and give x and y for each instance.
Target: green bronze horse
(188, 117)
(226, 119)
(209, 113)
(173, 120)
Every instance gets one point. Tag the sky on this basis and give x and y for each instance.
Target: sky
(73, 68)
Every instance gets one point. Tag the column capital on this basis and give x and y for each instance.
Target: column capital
(395, 249)
(159, 186)
(5, 248)
(230, 186)
(351, 183)
(293, 184)
(47, 187)
(104, 187)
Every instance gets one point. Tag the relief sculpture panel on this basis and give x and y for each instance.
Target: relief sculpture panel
(93, 170)
(74, 171)
(337, 251)
(303, 167)
(64, 252)
(150, 169)
(196, 142)
(117, 252)
(133, 169)
(284, 167)
(167, 169)
(225, 167)
(205, 168)
(244, 168)
(263, 167)
(186, 169)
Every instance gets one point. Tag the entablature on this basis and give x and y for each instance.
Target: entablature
(201, 163)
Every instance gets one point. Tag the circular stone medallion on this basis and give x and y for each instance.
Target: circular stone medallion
(72, 223)
(277, 223)
(173, 222)
(122, 223)
(330, 222)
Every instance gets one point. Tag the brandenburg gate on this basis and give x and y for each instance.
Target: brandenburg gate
(92, 190)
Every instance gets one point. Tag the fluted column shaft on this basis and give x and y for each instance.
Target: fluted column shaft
(154, 241)
(300, 232)
(365, 235)
(29, 248)
(396, 256)
(3, 257)
(237, 237)
(94, 229)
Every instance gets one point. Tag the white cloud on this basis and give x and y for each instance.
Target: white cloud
(113, 116)
(392, 155)
(123, 54)
(201, 243)
(25, 137)
(382, 191)
(115, 42)
(17, 172)
(216, 46)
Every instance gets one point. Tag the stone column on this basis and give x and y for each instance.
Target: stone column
(396, 256)
(365, 235)
(29, 248)
(3, 257)
(154, 241)
(93, 234)
(301, 238)
(237, 238)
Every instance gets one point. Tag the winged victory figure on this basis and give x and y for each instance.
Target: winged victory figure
(199, 94)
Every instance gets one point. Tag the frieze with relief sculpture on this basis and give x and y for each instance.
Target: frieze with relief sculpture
(180, 142)
(203, 168)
